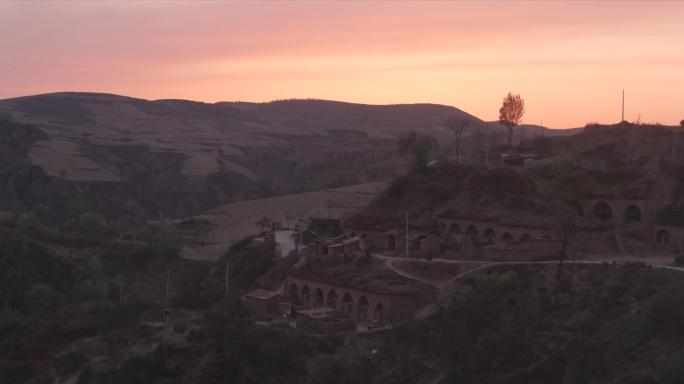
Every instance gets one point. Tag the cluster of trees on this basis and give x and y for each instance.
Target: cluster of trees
(508, 324)
(421, 148)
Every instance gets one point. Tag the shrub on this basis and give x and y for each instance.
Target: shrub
(9, 315)
(95, 264)
(98, 290)
(679, 259)
(168, 238)
(39, 298)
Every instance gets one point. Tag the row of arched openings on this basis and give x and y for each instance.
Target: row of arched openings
(317, 300)
(601, 211)
(604, 212)
(489, 234)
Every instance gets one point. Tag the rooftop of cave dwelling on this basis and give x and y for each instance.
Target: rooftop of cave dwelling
(373, 277)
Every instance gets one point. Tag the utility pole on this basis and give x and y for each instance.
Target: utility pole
(301, 238)
(623, 106)
(168, 281)
(486, 147)
(227, 275)
(407, 235)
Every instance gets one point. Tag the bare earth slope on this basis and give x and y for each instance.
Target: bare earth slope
(178, 158)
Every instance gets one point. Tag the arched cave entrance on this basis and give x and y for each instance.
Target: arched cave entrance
(362, 309)
(632, 214)
(379, 313)
(347, 304)
(293, 293)
(507, 238)
(490, 236)
(579, 210)
(318, 298)
(455, 230)
(332, 299)
(663, 238)
(306, 297)
(391, 243)
(602, 211)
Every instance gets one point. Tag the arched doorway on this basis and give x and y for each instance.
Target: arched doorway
(490, 236)
(331, 301)
(579, 210)
(507, 238)
(293, 293)
(362, 310)
(391, 243)
(632, 214)
(602, 211)
(347, 304)
(472, 231)
(306, 297)
(663, 238)
(318, 298)
(455, 230)
(379, 313)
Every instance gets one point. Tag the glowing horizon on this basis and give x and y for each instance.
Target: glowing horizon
(570, 61)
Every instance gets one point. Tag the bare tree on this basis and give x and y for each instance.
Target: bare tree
(418, 147)
(458, 128)
(564, 172)
(510, 113)
(566, 236)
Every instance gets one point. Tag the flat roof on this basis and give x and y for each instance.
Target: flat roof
(261, 294)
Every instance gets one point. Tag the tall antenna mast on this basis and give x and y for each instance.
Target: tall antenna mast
(623, 105)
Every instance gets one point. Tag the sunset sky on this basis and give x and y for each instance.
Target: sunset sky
(569, 61)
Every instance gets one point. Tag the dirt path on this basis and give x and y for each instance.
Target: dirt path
(445, 289)
(390, 265)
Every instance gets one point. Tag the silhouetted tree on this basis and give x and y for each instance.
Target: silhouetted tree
(681, 123)
(458, 128)
(566, 236)
(510, 113)
(418, 147)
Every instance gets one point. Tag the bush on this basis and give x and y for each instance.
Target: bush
(95, 264)
(89, 290)
(9, 315)
(168, 239)
(679, 259)
(39, 298)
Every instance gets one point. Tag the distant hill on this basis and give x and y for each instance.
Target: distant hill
(180, 157)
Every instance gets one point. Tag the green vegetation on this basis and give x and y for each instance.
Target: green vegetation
(93, 290)
(603, 324)
(418, 148)
(168, 238)
(95, 265)
(248, 261)
(9, 315)
(39, 298)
